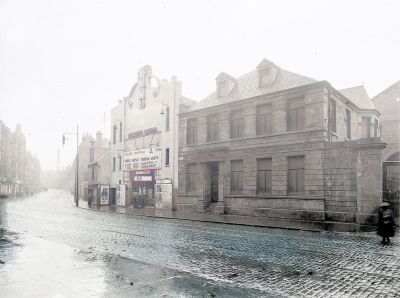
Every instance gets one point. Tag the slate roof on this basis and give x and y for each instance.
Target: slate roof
(101, 157)
(359, 96)
(246, 86)
(388, 92)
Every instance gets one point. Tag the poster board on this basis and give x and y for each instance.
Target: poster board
(121, 199)
(104, 194)
(163, 196)
(143, 159)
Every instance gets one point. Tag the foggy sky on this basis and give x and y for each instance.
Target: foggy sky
(68, 62)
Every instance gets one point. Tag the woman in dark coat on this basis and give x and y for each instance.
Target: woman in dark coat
(385, 223)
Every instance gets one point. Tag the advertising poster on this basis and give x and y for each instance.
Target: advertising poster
(121, 195)
(164, 196)
(104, 194)
(144, 159)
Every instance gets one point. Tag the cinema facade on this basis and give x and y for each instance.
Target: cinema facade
(144, 140)
(275, 148)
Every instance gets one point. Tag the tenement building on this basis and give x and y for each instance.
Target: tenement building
(144, 142)
(276, 148)
(19, 170)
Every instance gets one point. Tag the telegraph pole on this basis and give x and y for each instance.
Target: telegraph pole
(77, 167)
(76, 192)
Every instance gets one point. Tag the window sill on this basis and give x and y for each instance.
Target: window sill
(271, 196)
(187, 195)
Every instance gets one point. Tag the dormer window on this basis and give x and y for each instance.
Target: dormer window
(265, 77)
(267, 73)
(225, 84)
(223, 88)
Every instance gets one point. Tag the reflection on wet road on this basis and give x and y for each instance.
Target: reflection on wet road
(51, 248)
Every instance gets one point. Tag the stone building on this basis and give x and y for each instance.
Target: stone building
(32, 177)
(99, 177)
(276, 148)
(89, 147)
(6, 179)
(19, 170)
(144, 139)
(388, 104)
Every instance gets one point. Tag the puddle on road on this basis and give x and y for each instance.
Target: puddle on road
(36, 267)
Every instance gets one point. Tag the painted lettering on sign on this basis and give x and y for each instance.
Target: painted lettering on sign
(140, 133)
(144, 159)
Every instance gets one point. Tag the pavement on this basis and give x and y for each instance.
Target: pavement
(49, 248)
(259, 221)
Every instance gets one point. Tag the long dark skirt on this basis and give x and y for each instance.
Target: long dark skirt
(386, 230)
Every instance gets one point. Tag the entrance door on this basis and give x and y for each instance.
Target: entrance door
(214, 182)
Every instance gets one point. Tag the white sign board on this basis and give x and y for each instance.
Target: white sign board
(144, 159)
(104, 194)
(164, 196)
(121, 195)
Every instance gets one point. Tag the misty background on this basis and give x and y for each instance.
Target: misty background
(64, 63)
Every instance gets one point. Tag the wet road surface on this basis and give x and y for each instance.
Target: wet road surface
(49, 248)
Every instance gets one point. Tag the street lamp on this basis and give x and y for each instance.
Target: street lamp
(77, 162)
(162, 108)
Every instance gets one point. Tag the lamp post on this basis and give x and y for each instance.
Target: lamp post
(398, 161)
(77, 162)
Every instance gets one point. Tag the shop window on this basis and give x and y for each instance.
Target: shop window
(213, 128)
(237, 124)
(295, 175)
(191, 177)
(191, 132)
(296, 115)
(264, 119)
(236, 176)
(264, 175)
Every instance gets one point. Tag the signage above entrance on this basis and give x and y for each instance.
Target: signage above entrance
(144, 159)
(143, 132)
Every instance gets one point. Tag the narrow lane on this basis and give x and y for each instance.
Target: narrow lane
(207, 259)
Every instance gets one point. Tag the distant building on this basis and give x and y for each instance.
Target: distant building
(388, 104)
(6, 179)
(99, 169)
(19, 171)
(144, 139)
(89, 149)
(281, 149)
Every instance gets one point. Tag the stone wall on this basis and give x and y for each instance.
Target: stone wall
(342, 184)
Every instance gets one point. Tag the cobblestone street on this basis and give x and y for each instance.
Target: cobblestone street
(78, 252)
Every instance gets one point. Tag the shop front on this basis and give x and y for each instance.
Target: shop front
(142, 167)
(143, 183)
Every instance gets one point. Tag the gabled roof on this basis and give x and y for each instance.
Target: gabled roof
(359, 96)
(100, 158)
(247, 86)
(224, 75)
(388, 92)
